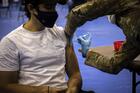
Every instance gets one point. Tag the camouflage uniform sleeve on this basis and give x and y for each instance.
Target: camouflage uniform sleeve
(94, 9)
(115, 64)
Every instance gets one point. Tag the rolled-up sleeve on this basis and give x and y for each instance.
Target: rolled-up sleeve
(9, 59)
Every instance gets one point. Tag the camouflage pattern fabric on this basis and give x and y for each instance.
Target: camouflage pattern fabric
(127, 14)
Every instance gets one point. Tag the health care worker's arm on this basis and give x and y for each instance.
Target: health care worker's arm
(72, 69)
(121, 59)
(94, 9)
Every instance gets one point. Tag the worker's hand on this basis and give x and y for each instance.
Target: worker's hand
(85, 42)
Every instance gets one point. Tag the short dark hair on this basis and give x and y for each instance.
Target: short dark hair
(62, 1)
(35, 4)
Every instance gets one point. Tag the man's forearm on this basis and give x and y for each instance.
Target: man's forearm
(16, 88)
(73, 71)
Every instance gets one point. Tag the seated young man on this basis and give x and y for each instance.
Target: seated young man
(35, 56)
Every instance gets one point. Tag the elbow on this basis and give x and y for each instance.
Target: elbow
(115, 70)
(79, 78)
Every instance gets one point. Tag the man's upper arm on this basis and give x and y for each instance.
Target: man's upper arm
(72, 68)
(71, 61)
(9, 65)
(9, 56)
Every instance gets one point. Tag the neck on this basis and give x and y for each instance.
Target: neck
(33, 25)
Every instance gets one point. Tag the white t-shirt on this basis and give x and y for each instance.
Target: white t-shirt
(39, 56)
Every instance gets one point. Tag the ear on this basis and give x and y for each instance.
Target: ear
(31, 9)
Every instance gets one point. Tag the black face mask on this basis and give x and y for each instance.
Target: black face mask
(48, 19)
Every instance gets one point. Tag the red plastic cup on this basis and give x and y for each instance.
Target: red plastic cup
(118, 45)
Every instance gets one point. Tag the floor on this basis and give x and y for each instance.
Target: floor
(103, 33)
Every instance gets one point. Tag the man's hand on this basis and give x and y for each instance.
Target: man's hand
(82, 91)
(56, 90)
(72, 91)
(85, 42)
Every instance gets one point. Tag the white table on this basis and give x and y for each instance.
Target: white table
(108, 51)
